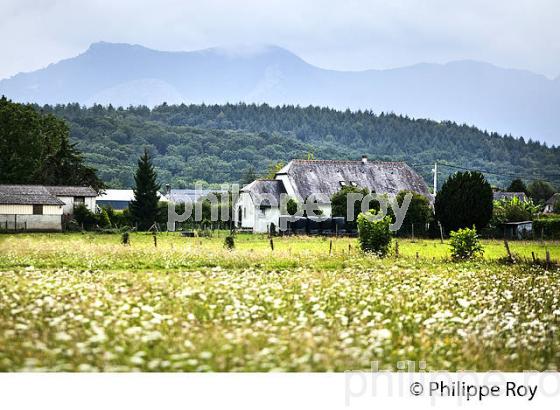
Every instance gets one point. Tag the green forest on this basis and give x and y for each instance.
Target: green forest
(235, 142)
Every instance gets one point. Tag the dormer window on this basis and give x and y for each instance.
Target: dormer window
(342, 183)
(353, 184)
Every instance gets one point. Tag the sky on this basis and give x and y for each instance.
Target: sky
(342, 35)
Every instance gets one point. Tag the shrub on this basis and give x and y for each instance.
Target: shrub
(84, 216)
(548, 227)
(513, 210)
(229, 242)
(374, 236)
(419, 211)
(103, 219)
(465, 244)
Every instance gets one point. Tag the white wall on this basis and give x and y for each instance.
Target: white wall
(263, 219)
(68, 209)
(245, 203)
(28, 210)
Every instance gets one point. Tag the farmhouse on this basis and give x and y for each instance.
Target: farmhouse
(551, 203)
(40, 208)
(300, 179)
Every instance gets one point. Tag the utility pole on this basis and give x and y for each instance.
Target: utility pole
(434, 170)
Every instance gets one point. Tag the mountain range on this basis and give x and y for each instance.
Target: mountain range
(507, 101)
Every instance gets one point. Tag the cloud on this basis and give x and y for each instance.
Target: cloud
(332, 34)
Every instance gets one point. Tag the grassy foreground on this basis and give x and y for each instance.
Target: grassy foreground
(73, 302)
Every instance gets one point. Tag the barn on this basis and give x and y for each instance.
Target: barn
(41, 208)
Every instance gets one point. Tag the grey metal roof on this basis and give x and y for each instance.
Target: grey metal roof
(27, 195)
(509, 195)
(324, 178)
(263, 190)
(190, 195)
(72, 190)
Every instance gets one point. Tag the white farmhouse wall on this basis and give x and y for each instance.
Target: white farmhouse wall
(90, 203)
(265, 217)
(16, 209)
(247, 207)
(68, 208)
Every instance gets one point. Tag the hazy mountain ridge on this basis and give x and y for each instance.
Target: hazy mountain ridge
(508, 101)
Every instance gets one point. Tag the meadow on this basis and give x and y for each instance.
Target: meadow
(86, 302)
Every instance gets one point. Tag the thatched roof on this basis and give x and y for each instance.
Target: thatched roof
(327, 177)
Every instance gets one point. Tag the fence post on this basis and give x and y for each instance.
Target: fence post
(396, 248)
(271, 244)
(330, 248)
(412, 232)
(506, 244)
(440, 231)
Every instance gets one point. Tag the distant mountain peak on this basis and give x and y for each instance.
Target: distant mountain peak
(508, 101)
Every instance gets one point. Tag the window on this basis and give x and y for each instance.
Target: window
(79, 200)
(37, 209)
(342, 183)
(353, 183)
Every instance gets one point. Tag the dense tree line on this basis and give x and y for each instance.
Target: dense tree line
(224, 143)
(35, 149)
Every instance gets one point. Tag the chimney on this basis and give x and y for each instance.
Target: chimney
(364, 159)
(167, 189)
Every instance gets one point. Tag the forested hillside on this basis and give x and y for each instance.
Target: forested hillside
(227, 143)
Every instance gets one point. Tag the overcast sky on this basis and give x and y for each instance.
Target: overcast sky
(347, 34)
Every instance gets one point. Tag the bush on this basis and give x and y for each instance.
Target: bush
(103, 219)
(465, 244)
(229, 242)
(548, 227)
(374, 236)
(513, 210)
(84, 216)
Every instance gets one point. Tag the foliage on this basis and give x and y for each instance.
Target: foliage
(541, 191)
(35, 149)
(84, 216)
(144, 208)
(291, 206)
(513, 210)
(465, 199)
(547, 227)
(419, 211)
(374, 236)
(229, 242)
(224, 143)
(517, 185)
(339, 203)
(273, 169)
(465, 244)
(103, 219)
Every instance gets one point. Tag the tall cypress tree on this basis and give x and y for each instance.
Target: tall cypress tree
(144, 207)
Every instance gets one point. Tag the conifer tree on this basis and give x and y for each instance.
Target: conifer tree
(144, 207)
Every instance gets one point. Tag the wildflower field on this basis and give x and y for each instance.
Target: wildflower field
(85, 302)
